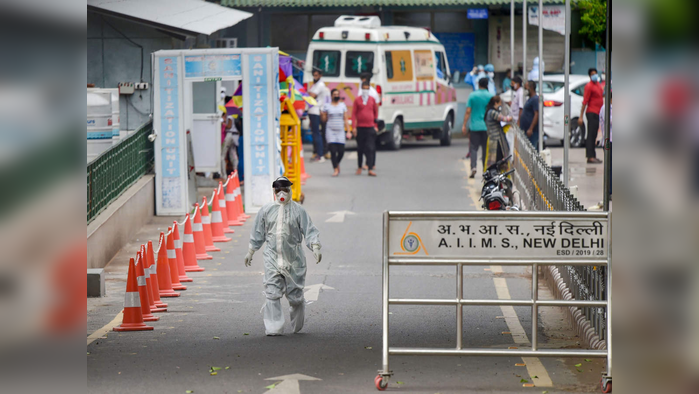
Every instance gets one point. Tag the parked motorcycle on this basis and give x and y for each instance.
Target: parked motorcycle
(498, 193)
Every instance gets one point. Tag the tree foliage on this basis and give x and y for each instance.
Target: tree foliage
(593, 15)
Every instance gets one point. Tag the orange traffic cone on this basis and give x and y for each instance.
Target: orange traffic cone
(232, 204)
(217, 234)
(198, 234)
(178, 253)
(189, 251)
(172, 261)
(224, 209)
(304, 175)
(149, 284)
(133, 318)
(206, 225)
(164, 278)
(143, 289)
(239, 198)
(154, 286)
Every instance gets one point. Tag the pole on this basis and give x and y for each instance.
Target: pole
(566, 102)
(541, 76)
(524, 41)
(512, 40)
(607, 110)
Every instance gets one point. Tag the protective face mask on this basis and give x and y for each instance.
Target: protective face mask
(316, 80)
(491, 74)
(283, 197)
(365, 93)
(595, 78)
(336, 99)
(223, 95)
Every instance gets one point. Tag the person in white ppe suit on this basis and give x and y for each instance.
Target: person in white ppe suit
(283, 224)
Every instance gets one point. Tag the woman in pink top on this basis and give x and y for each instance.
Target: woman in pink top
(365, 111)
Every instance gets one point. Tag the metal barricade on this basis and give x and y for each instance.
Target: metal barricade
(541, 189)
(494, 238)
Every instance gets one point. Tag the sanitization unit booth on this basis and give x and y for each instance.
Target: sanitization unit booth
(187, 86)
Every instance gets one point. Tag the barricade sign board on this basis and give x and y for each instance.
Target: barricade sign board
(478, 238)
(484, 236)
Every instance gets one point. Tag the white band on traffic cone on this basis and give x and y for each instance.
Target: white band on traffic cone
(141, 280)
(221, 203)
(230, 196)
(216, 217)
(205, 219)
(171, 254)
(178, 244)
(132, 300)
(188, 238)
(197, 227)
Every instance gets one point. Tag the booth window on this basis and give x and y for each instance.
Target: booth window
(328, 62)
(357, 63)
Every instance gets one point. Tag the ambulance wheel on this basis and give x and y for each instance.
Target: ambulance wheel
(446, 130)
(394, 137)
(380, 384)
(606, 388)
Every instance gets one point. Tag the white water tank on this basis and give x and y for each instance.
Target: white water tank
(99, 122)
(358, 21)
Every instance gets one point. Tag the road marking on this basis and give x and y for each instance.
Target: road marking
(313, 291)
(533, 364)
(339, 216)
(102, 331)
(289, 384)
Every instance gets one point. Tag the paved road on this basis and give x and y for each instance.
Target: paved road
(217, 321)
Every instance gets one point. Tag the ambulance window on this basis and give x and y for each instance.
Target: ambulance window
(389, 65)
(358, 62)
(441, 65)
(328, 62)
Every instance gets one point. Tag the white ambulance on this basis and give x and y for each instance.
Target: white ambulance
(409, 71)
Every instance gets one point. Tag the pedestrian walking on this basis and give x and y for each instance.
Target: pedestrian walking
(319, 92)
(507, 82)
(365, 111)
(283, 224)
(366, 77)
(529, 120)
(337, 117)
(474, 123)
(229, 149)
(593, 99)
(497, 147)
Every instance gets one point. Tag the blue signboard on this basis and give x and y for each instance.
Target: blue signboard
(212, 65)
(169, 117)
(460, 49)
(477, 13)
(260, 111)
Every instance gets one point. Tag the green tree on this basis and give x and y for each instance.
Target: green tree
(593, 15)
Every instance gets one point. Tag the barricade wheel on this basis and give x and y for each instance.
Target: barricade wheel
(380, 384)
(606, 388)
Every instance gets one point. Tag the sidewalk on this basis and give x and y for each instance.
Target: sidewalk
(588, 177)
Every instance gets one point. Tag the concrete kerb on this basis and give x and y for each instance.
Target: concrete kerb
(581, 326)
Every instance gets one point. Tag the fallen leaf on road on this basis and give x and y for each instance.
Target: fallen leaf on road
(579, 370)
(578, 365)
(246, 333)
(189, 391)
(213, 373)
(368, 347)
(88, 353)
(544, 392)
(228, 367)
(217, 338)
(520, 365)
(524, 381)
(399, 382)
(215, 368)
(271, 386)
(535, 377)
(587, 360)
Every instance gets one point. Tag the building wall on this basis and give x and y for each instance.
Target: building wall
(111, 59)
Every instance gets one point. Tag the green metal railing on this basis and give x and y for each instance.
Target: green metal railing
(112, 172)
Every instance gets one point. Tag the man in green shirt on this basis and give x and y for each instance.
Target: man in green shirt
(474, 123)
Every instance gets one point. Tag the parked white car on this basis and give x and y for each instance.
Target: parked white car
(553, 108)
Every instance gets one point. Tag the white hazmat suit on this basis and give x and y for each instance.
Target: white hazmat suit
(283, 226)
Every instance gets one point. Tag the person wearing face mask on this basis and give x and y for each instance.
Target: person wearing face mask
(319, 92)
(497, 147)
(337, 128)
(475, 75)
(490, 74)
(517, 98)
(593, 99)
(529, 120)
(365, 111)
(284, 225)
